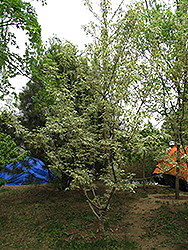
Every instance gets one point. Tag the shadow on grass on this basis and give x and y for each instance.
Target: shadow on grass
(99, 244)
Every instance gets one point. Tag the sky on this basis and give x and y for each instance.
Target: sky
(63, 18)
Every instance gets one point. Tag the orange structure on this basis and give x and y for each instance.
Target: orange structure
(165, 171)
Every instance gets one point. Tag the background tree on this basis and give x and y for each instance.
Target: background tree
(162, 44)
(17, 15)
(150, 146)
(63, 68)
(64, 63)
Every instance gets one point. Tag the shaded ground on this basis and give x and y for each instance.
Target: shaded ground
(38, 217)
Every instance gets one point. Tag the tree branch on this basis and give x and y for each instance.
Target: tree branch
(90, 201)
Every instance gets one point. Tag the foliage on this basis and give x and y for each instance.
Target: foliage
(77, 137)
(8, 149)
(17, 15)
(61, 69)
(148, 147)
(60, 65)
(10, 152)
(152, 141)
(162, 44)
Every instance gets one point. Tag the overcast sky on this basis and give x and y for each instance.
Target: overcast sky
(64, 19)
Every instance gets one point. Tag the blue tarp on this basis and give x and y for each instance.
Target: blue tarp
(29, 171)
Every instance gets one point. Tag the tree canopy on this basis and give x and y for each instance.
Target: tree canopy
(17, 15)
(162, 44)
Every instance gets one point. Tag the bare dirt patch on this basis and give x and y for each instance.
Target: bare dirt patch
(142, 208)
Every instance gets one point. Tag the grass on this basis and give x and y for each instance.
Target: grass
(170, 221)
(37, 217)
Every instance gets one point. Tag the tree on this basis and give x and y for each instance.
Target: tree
(84, 141)
(162, 43)
(17, 15)
(99, 132)
(67, 62)
(111, 76)
(151, 145)
(62, 67)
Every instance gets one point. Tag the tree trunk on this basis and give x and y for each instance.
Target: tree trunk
(143, 171)
(101, 224)
(177, 193)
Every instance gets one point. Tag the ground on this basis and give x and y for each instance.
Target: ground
(142, 209)
(39, 217)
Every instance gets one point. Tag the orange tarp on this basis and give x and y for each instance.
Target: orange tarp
(168, 164)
